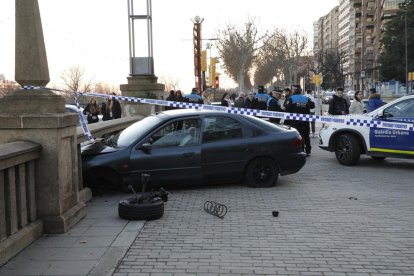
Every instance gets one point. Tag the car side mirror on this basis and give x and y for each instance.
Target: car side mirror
(380, 113)
(146, 147)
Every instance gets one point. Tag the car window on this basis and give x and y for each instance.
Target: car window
(182, 133)
(218, 128)
(135, 131)
(402, 109)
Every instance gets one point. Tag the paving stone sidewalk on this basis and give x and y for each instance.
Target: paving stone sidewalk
(94, 246)
(334, 220)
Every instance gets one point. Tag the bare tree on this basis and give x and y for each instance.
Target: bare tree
(73, 77)
(170, 83)
(106, 88)
(331, 63)
(7, 86)
(281, 58)
(239, 49)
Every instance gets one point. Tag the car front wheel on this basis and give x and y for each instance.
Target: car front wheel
(347, 149)
(261, 173)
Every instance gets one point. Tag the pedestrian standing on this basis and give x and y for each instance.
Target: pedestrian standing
(193, 97)
(273, 104)
(312, 111)
(374, 100)
(357, 106)
(249, 100)
(260, 99)
(111, 109)
(338, 105)
(171, 98)
(225, 99)
(179, 96)
(206, 97)
(92, 111)
(300, 104)
(239, 102)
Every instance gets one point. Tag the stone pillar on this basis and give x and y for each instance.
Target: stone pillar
(141, 86)
(39, 116)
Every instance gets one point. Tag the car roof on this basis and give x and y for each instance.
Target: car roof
(188, 112)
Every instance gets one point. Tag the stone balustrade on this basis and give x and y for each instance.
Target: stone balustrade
(18, 212)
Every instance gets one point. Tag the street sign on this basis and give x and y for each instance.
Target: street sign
(362, 74)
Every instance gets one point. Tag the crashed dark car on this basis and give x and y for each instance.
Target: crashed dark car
(190, 146)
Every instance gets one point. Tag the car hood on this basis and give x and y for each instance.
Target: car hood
(96, 148)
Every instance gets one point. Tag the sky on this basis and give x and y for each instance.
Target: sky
(93, 34)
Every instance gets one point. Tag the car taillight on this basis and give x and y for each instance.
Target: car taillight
(297, 142)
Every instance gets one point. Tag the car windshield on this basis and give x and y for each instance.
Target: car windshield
(133, 132)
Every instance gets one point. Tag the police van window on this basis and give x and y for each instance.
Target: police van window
(217, 128)
(178, 133)
(403, 109)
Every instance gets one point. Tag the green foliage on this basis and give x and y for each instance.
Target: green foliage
(392, 59)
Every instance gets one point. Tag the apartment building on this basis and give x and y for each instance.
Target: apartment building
(347, 36)
(360, 26)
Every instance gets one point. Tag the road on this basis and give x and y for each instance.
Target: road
(333, 220)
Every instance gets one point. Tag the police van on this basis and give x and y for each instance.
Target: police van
(384, 132)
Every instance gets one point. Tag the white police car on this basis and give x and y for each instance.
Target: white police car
(384, 132)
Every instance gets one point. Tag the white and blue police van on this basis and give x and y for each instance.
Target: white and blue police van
(385, 132)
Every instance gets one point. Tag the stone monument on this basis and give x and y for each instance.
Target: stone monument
(39, 115)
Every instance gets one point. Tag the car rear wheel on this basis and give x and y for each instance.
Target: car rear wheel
(347, 149)
(261, 173)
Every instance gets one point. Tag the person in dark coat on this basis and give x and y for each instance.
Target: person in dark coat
(225, 99)
(338, 105)
(111, 109)
(260, 99)
(193, 97)
(273, 104)
(249, 100)
(92, 111)
(301, 104)
(171, 98)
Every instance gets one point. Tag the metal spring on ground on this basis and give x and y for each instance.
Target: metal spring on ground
(215, 209)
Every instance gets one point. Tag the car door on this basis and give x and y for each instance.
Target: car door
(171, 153)
(394, 141)
(226, 145)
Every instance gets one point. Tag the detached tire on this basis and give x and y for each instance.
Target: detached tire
(130, 209)
(261, 173)
(347, 150)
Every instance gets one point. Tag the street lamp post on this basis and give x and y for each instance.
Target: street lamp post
(406, 53)
(197, 51)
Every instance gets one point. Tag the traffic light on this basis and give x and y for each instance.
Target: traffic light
(217, 82)
(411, 76)
(212, 75)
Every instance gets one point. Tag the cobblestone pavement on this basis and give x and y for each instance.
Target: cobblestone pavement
(334, 220)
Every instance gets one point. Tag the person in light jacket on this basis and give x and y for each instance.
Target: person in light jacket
(357, 106)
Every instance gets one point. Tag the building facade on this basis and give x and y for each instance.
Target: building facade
(360, 26)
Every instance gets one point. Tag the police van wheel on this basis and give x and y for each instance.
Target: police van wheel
(347, 149)
(261, 173)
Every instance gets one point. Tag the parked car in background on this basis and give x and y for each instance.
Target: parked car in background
(351, 94)
(327, 96)
(187, 146)
(350, 141)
